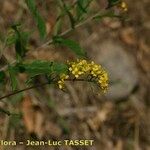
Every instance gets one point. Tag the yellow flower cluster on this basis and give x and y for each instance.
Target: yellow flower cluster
(83, 68)
(61, 82)
(79, 67)
(123, 6)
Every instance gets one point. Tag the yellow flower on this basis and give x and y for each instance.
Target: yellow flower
(61, 82)
(83, 67)
(103, 81)
(78, 68)
(123, 6)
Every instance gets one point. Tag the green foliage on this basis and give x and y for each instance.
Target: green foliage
(38, 18)
(110, 14)
(36, 67)
(58, 25)
(59, 68)
(78, 13)
(112, 3)
(11, 38)
(75, 47)
(81, 8)
(39, 67)
(66, 8)
(13, 78)
(20, 39)
(2, 76)
(59, 22)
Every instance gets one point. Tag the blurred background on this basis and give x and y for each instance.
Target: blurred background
(117, 120)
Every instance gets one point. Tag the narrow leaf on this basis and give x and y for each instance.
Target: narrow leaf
(21, 41)
(2, 76)
(19, 47)
(75, 47)
(13, 79)
(81, 8)
(111, 3)
(106, 14)
(59, 68)
(57, 27)
(70, 16)
(11, 39)
(38, 18)
(36, 67)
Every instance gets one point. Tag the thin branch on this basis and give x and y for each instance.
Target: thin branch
(38, 85)
(22, 90)
(70, 29)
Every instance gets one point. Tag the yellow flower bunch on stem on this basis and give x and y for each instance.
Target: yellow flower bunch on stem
(82, 69)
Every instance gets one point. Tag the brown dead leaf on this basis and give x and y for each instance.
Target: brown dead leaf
(33, 118)
(39, 124)
(28, 114)
(36, 122)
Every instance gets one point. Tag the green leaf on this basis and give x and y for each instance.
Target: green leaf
(38, 67)
(25, 37)
(75, 47)
(59, 68)
(81, 8)
(11, 39)
(112, 3)
(58, 25)
(12, 73)
(67, 9)
(20, 48)
(106, 14)
(38, 18)
(21, 41)
(2, 76)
